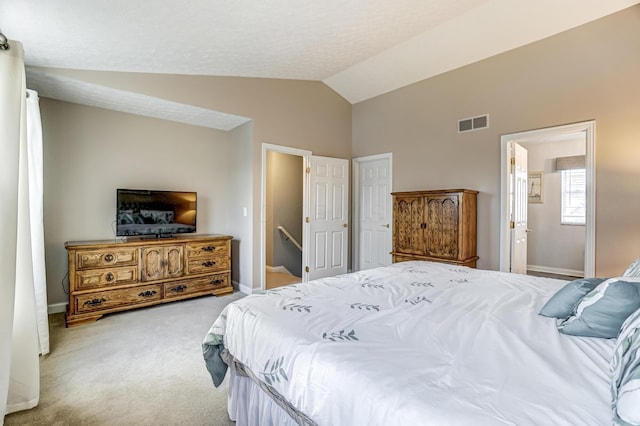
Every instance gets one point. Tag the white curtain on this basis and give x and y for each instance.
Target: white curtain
(36, 216)
(19, 341)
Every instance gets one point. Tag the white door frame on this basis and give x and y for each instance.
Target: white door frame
(306, 155)
(589, 127)
(355, 236)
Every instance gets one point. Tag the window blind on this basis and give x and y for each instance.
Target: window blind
(573, 197)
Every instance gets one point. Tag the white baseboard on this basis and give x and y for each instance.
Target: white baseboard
(278, 269)
(56, 308)
(559, 271)
(242, 288)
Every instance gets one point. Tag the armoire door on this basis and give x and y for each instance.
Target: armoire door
(442, 226)
(409, 226)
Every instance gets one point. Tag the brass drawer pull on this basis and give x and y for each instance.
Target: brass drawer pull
(208, 248)
(147, 293)
(108, 258)
(109, 277)
(216, 281)
(178, 289)
(208, 263)
(95, 302)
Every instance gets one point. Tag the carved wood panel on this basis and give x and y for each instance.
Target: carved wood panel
(174, 264)
(442, 227)
(409, 230)
(152, 263)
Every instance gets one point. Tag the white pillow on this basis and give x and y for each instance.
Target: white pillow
(633, 270)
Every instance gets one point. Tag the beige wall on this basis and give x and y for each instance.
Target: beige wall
(301, 114)
(238, 177)
(590, 72)
(89, 152)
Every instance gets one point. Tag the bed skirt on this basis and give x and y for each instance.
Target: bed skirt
(254, 403)
(248, 405)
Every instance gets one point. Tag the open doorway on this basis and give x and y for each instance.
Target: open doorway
(284, 197)
(577, 250)
(284, 228)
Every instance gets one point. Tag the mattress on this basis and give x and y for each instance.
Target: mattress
(416, 343)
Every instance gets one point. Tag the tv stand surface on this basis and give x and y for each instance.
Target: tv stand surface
(158, 237)
(111, 276)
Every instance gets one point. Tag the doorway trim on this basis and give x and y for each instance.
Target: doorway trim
(263, 207)
(589, 128)
(355, 237)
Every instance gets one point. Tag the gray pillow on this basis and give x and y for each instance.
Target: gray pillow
(603, 310)
(564, 301)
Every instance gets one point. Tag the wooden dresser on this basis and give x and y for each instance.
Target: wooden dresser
(111, 276)
(435, 225)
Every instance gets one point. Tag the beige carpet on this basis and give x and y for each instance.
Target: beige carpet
(141, 367)
(279, 279)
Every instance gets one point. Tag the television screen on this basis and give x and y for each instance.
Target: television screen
(158, 213)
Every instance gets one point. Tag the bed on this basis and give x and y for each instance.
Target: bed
(419, 343)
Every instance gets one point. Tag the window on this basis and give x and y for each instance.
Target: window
(573, 197)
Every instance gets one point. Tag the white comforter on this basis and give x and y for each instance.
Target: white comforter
(420, 343)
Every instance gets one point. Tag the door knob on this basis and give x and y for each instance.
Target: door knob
(344, 225)
(385, 226)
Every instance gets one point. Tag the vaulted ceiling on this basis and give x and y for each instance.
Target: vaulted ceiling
(359, 48)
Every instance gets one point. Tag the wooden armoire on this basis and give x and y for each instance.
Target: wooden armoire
(434, 225)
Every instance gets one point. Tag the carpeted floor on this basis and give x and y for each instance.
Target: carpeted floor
(141, 367)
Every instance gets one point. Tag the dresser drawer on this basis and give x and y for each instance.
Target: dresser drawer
(102, 300)
(86, 259)
(210, 264)
(196, 285)
(93, 278)
(207, 249)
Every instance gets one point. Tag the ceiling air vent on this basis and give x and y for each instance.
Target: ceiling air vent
(473, 123)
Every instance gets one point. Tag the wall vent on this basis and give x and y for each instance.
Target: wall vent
(473, 123)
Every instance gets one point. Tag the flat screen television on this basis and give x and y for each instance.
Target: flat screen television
(143, 212)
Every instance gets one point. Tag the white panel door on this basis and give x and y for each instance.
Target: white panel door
(519, 203)
(374, 212)
(328, 217)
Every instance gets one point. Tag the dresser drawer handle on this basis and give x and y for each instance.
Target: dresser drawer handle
(147, 293)
(208, 263)
(108, 258)
(109, 277)
(178, 289)
(216, 281)
(208, 248)
(95, 302)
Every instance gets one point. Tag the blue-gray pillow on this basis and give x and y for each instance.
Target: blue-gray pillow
(564, 301)
(603, 310)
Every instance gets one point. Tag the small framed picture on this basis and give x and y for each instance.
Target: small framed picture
(536, 187)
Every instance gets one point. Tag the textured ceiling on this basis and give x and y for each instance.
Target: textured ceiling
(359, 48)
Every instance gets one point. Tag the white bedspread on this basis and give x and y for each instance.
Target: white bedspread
(420, 343)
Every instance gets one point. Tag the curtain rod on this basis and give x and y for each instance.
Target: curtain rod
(4, 43)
